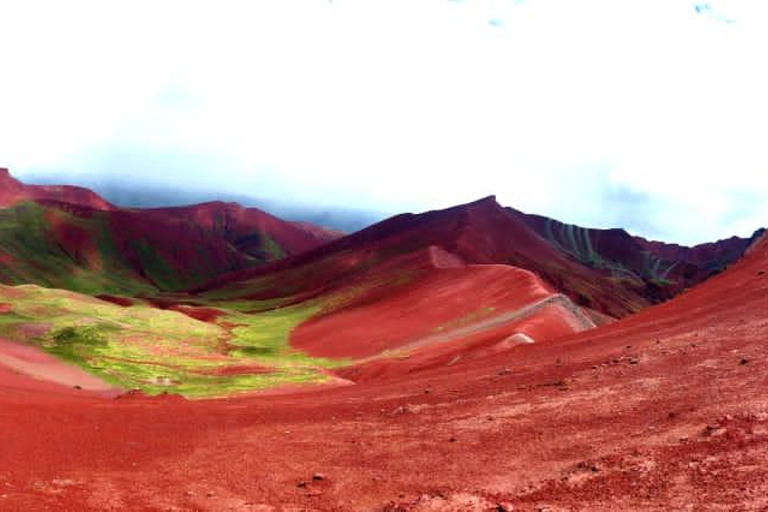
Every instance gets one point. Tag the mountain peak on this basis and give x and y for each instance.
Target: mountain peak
(487, 200)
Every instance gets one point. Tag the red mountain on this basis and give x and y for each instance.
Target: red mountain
(13, 191)
(656, 270)
(481, 232)
(662, 410)
(69, 237)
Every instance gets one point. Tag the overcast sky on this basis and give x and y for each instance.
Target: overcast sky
(651, 115)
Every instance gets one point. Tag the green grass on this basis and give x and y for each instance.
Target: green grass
(155, 350)
(31, 254)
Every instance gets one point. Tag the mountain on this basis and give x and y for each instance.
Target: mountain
(656, 270)
(69, 237)
(605, 271)
(127, 194)
(662, 410)
(13, 191)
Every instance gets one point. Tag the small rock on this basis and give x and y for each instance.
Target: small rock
(302, 484)
(505, 371)
(210, 494)
(743, 361)
(452, 440)
(714, 431)
(318, 477)
(77, 386)
(761, 272)
(505, 507)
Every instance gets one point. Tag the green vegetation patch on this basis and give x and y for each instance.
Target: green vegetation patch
(156, 350)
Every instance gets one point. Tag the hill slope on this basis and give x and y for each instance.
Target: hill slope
(482, 232)
(656, 270)
(71, 238)
(663, 410)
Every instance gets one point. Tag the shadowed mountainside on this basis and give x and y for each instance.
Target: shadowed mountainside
(655, 270)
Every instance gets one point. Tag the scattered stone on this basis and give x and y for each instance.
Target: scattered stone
(634, 360)
(452, 440)
(77, 386)
(210, 494)
(761, 272)
(302, 484)
(714, 431)
(318, 477)
(505, 507)
(505, 371)
(405, 409)
(743, 361)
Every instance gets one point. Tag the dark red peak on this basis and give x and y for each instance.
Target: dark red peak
(485, 201)
(220, 204)
(5, 177)
(11, 190)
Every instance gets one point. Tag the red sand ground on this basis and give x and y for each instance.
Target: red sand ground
(665, 410)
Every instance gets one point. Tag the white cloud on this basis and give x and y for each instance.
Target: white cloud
(405, 104)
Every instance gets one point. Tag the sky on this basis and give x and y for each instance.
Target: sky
(649, 115)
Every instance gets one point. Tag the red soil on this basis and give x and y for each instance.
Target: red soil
(245, 369)
(23, 366)
(124, 302)
(441, 300)
(664, 410)
(199, 313)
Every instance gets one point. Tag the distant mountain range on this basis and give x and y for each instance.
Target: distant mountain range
(71, 237)
(138, 195)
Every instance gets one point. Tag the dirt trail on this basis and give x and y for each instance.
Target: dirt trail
(579, 321)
